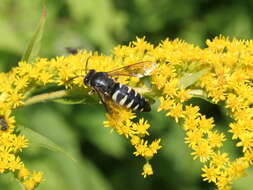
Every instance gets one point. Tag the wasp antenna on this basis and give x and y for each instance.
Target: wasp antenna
(74, 78)
(86, 65)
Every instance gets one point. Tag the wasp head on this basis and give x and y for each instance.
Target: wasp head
(87, 79)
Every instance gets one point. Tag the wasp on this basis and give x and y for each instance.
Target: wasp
(3, 123)
(112, 92)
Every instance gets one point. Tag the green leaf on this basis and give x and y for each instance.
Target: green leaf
(42, 141)
(199, 93)
(34, 45)
(190, 78)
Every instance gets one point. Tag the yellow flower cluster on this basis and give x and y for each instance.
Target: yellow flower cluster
(121, 120)
(229, 81)
(11, 144)
(228, 66)
(18, 85)
(30, 180)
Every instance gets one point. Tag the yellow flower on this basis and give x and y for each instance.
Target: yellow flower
(193, 137)
(248, 154)
(237, 168)
(23, 173)
(244, 114)
(206, 124)
(37, 177)
(220, 160)
(45, 78)
(191, 123)
(121, 123)
(141, 127)
(141, 45)
(210, 173)
(224, 181)
(246, 141)
(217, 44)
(155, 145)
(15, 164)
(170, 87)
(234, 102)
(183, 95)
(21, 82)
(135, 140)
(29, 184)
(165, 103)
(237, 128)
(3, 166)
(162, 74)
(176, 112)
(147, 170)
(15, 98)
(24, 68)
(148, 154)
(19, 143)
(203, 151)
(191, 112)
(215, 139)
(141, 148)
(125, 128)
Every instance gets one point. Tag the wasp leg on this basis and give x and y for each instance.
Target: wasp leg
(103, 99)
(91, 92)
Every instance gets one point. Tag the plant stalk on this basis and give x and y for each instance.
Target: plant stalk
(45, 97)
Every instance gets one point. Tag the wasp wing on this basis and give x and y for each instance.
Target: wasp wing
(139, 69)
(110, 105)
(104, 99)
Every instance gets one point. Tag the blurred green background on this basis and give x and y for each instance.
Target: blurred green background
(104, 160)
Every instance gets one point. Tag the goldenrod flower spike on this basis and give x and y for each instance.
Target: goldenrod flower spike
(228, 76)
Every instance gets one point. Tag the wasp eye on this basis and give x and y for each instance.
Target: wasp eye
(85, 81)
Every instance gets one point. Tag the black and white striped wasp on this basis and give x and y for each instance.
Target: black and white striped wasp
(112, 92)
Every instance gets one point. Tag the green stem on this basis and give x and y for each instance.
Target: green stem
(62, 93)
(45, 97)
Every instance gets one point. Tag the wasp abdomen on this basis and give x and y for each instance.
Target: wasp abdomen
(127, 97)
